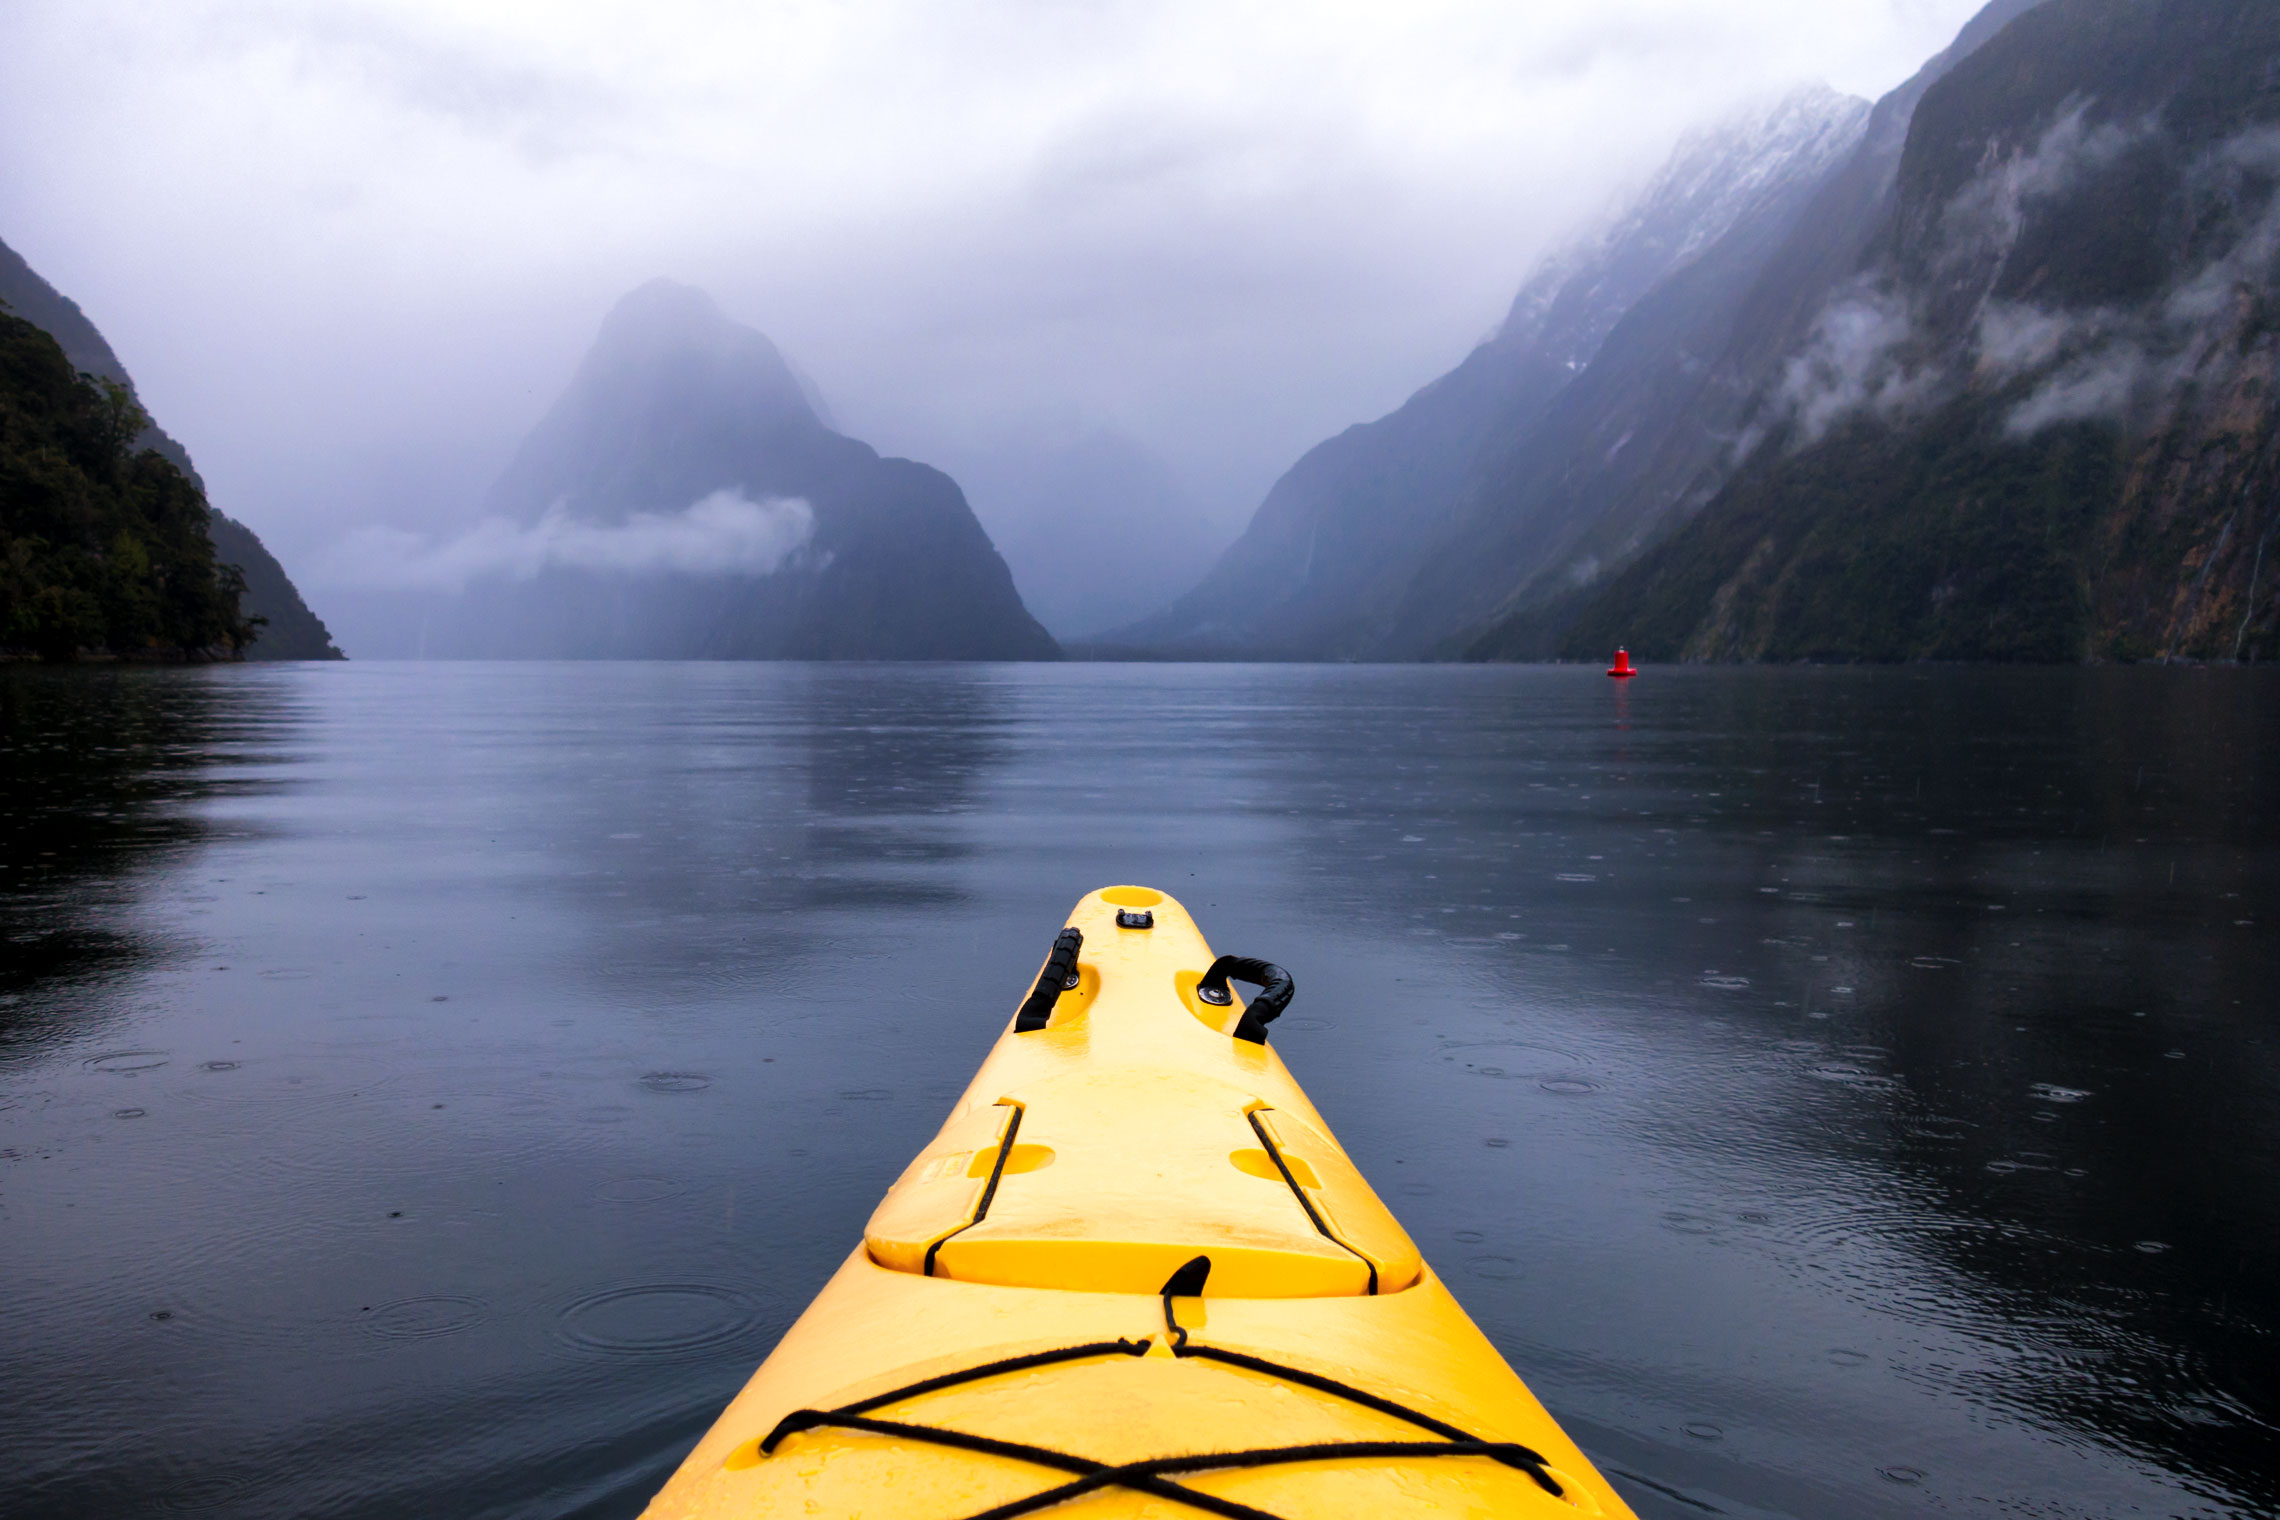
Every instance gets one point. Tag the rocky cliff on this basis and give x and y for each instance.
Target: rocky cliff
(2036, 418)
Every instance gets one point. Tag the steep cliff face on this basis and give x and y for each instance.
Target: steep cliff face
(103, 545)
(1347, 556)
(2038, 419)
(682, 500)
(1648, 442)
(288, 630)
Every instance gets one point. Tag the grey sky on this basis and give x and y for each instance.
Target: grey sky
(350, 251)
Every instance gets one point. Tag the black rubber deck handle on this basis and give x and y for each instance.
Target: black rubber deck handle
(1060, 968)
(1275, 992)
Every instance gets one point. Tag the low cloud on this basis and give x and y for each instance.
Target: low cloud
(1852, 362)
(2123, 365)
(1981, 226)
(1858, 355)
(1875, 350)
(724, 533)
(2111, 382)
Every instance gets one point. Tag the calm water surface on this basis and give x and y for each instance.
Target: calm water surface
(430, 1090)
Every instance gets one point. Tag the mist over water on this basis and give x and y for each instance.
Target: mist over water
(431, 1089)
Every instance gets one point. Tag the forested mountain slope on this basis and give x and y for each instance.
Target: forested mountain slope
(2037, 421)
(103, 545)
(286, 629)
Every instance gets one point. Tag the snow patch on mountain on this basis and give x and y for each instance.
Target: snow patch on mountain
(1715, 177)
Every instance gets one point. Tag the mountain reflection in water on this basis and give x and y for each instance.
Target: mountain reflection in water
(96, 769)
(432, 1088)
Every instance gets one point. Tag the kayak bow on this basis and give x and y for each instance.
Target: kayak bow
(1135, 1275)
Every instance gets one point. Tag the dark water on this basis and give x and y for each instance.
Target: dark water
(429, 1089)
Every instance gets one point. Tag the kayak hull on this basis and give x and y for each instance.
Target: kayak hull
(931, 1380)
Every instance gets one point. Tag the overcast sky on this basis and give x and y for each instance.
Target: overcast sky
(350, 251)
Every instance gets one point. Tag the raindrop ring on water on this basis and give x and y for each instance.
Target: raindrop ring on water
(125, 1063)
(421, 1318)
(656, 1319)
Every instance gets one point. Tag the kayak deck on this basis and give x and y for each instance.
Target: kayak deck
(1021, 1330)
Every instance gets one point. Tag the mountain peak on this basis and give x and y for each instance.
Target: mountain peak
(669, 364)
(668, 334)
(1717, 175)
(683, 500)
(666, 315)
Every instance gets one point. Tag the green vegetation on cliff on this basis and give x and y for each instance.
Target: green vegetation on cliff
(103, 547)
(2042, 420)
(285, 627)
(1950, 542)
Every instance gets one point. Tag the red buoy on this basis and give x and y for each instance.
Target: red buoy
(1622, 669)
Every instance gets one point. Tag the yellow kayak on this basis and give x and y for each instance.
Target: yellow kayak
(1135, 1275)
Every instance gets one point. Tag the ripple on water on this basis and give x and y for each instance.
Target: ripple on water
(125, 1063)
(301, 1089)
(1569, 1087)
(656, 1319)
(1846, 1074)
(1704, 1430)
(204, 1492)
(2048, 1092)
(1494, 1268)
(1511, 1058)
(413, 1319)
(638, 1189)
(675, 1081)
(1873, 1252)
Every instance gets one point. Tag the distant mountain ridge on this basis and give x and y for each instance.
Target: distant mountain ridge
(683, 500)
(1339, 560)
(2037, 419)
(1096, 527)
(1681, 400)
(1729, 349)
(290, 631)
